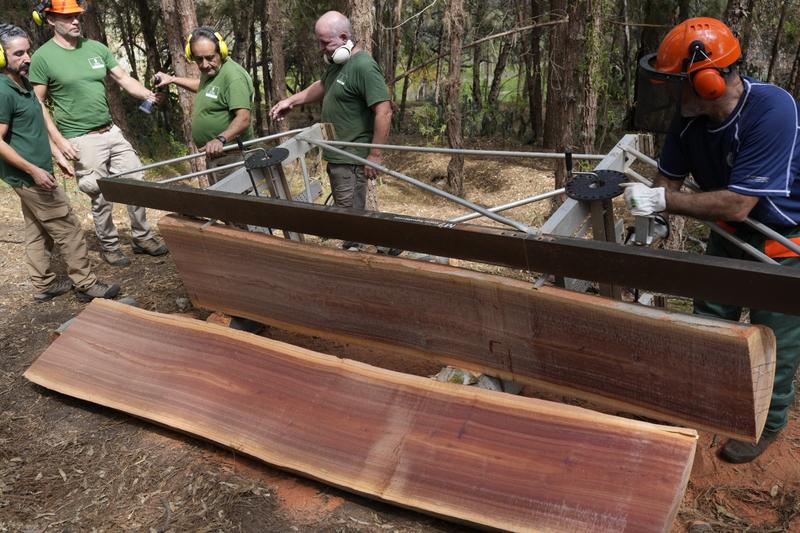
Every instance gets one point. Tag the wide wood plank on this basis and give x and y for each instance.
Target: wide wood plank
(758, 285)
(704, 373)
(466, 454)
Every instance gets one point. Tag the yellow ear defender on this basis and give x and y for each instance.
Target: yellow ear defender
(2, 57)
(221, 44)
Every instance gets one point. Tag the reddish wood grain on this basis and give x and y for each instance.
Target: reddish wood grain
(704, 373)
(470, 455)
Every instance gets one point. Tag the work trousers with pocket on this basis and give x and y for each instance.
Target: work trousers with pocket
(49, 221)
(102, 155)
(348, 185)
(786, 327)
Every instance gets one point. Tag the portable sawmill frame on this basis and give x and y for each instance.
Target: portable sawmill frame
(550, 248)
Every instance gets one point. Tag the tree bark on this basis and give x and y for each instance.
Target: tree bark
(477, 100)
(566, 51)
(276, 28)
(411, 51)
(259, 126)
(596, 63)
(362, 16)
(179, 21)
(241, 32)
(394, 50)
(149, 36)
(455, 21)
(776, 42)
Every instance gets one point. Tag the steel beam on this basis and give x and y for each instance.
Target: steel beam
(756, 285)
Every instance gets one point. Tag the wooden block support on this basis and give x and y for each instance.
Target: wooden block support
(703, 373)
(470, 455)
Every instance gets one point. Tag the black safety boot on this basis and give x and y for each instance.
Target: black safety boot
(737, 451)
(98, 290)
(57, 288)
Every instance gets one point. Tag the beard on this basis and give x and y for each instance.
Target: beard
(21, 70)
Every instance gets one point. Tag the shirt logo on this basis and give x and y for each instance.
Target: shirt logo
(96, 63)
(213, 92)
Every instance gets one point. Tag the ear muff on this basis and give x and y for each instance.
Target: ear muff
(39, 14)
(221, 44)
(342, 54)
(2, 57)
(708, 83)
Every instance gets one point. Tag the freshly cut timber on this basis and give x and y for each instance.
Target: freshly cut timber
(758, 286)
(704, 373)
(470, 455)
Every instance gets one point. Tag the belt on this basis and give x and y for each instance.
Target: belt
(101, 129)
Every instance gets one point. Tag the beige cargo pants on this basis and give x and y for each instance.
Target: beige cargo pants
(49, 220)
(102, 155)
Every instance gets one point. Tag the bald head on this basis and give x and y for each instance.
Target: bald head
(333, 24)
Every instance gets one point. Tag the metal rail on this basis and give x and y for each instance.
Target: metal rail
(465, 203)
(465, 151)
(750, 222)
(199, 154)
(518, 203)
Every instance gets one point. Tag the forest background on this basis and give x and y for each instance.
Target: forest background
(552, 74)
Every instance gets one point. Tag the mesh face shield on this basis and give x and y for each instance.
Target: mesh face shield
(658, 97)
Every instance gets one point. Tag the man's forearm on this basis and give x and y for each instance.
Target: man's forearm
(190, 84)
(11, 157)
(238, 125)
(714, 205)
(381, 126)
(313, 93)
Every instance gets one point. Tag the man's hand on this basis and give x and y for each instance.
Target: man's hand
(43, 179)
(643, 200)
(163, 79)
(63, 164)
(213, 148)
(369, 172)
(69, 151)
(281, 109)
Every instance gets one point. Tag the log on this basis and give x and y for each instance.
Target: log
(699, 372)
(474, 456)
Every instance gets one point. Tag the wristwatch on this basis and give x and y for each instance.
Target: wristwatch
(221, 138)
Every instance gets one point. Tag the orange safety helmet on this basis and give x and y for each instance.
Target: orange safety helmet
(64, 7)
(701, 49)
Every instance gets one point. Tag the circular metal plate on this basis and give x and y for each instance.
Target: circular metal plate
(266, 159)
(596, 185)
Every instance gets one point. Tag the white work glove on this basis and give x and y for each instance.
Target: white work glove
(643, 200)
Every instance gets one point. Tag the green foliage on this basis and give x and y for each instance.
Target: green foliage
(428, 120)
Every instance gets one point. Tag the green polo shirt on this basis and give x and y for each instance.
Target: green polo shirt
(217, 98)
(27, 133)
(351, 89)
(75, 82)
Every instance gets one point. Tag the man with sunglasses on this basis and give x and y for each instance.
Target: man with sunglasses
(72, 70)
(738, 138)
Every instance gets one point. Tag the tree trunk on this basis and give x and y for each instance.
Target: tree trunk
(179, 21)
(596, 65)
(454, 20)
(259, 126)
(241, 31)
(362, 16)
(776, 42)
(394, 50)
(566, 51)
(477, 101)
(149, 36)
(93, 27)
(409, 61)
(127, 35)
(533, 78)
(499, 68)
(437, 86)
(276, 28)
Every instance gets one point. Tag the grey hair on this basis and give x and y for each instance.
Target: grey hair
(9, 32)
(205, 32)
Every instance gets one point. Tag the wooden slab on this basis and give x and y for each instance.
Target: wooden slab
(758, 285)
(704, 373)
(475, 456)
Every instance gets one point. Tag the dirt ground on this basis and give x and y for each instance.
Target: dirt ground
(68, 465)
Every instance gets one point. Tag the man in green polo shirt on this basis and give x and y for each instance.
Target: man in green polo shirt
(26, 165)
(224, 101)
(355, 100)
(72, 70)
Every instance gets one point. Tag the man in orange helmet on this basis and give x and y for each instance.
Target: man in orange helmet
(72, 70)
(738, 138)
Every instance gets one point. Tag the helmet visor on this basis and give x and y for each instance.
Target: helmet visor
(658, 97)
